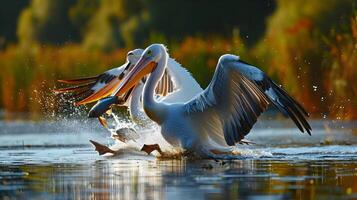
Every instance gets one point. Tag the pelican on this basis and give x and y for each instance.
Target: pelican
(220, 116)
(176, 85)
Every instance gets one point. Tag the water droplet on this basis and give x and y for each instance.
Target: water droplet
(322, 99)
(324, 116)
(314, 88)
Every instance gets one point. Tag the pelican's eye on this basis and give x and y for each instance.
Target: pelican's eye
(149, 52)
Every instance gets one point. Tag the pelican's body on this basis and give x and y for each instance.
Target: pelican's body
(218, 117)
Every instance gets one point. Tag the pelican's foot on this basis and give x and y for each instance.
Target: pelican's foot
(148, 148)
(101, 149)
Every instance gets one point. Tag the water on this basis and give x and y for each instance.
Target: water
(56, 161)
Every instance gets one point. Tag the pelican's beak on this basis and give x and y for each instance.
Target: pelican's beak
(143, 67)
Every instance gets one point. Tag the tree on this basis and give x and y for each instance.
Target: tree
(46, 22)
(9, 12)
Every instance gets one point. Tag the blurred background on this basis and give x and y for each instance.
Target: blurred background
(308, 46)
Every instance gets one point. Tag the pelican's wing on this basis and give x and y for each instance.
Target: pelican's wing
(165, 85)
(277, 95)
(229, 107)
(184, 85)
(87, 90)
(182, 78)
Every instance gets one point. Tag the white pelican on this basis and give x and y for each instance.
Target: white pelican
(222, 114)
(177, 85)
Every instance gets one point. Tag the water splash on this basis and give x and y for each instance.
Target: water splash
(149, 134)
(248, 152)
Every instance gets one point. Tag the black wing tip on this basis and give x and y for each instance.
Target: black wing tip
(294, 109)
(308, 131)
(306, 126)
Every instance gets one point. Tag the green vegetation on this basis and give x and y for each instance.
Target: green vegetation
(307, 46)
(314, 43)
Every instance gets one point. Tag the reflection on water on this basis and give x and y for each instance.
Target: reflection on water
(61, 164)
(132, 179)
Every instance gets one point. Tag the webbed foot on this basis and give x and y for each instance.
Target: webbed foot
(101, 149)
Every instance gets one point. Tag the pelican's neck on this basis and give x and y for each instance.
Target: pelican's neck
(153, 109)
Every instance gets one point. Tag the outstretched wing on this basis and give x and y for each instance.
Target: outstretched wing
(87, 90)
(185, 87)
(229, 107)
(277, 95)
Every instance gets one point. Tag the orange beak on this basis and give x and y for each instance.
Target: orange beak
(143, 67)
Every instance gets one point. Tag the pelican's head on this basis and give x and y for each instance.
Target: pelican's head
(131, 59)
(134, 55)
(147, 63)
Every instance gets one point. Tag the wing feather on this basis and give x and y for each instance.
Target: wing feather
(90, 89)
(231, 98)
(79, 80)
(235, 98)
(277, 95)
(163, 87)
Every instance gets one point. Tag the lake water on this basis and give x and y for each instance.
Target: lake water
(54, 160)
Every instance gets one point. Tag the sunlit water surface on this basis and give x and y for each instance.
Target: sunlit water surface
(54, 160)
